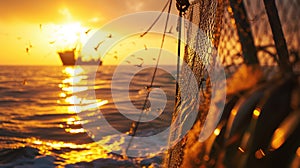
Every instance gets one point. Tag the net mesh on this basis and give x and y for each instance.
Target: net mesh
(230, 50)
(216, 19)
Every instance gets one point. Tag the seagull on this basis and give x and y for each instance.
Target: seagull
(30, 45)
(27, 50)
(86, 32)
(96, 48)
(139, 58)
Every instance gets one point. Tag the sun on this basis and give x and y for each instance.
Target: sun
(67, 36)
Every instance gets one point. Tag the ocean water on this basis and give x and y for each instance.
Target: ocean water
(55, 116)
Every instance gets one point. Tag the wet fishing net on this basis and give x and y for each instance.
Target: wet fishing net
(246, 35)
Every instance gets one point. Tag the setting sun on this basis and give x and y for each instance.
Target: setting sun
(67, 35)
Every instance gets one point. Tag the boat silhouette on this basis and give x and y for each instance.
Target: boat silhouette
(68, 58)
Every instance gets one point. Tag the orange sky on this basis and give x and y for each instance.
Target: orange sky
(20, 25)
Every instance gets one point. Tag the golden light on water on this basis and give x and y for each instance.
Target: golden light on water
(73, 71)
(70, 86)
(79, 148)
(82, 152)
(73, 100)
(74, 121)
(62, 95)
(92, 106)
(71, 152)
(74, 80)
(74, 89)
(75, 131)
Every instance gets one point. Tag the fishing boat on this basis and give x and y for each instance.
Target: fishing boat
(68, 58)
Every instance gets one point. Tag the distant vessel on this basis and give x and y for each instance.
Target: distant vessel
(68, 58)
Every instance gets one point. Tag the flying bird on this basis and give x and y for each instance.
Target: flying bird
(27, 50)
(139, 58)
(98, 45)
(86, 32)
(30, 45)
(41, 27)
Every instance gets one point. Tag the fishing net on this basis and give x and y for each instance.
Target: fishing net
(233, 44)
(229, 48)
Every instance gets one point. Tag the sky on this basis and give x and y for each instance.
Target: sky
(32, 31)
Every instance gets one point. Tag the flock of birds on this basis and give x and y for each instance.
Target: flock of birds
(115, 54)
(134, 43)
(140, 59)
(29, 45)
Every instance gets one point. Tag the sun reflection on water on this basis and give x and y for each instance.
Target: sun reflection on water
(72, 99)
(73, 71)
(74, 80)
(66, 152)
(79, 153)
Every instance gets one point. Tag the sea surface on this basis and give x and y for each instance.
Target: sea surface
(56, 116)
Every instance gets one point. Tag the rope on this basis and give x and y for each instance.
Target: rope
(155, 21)
(178, 51)
(135, 126)
(182, 6)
